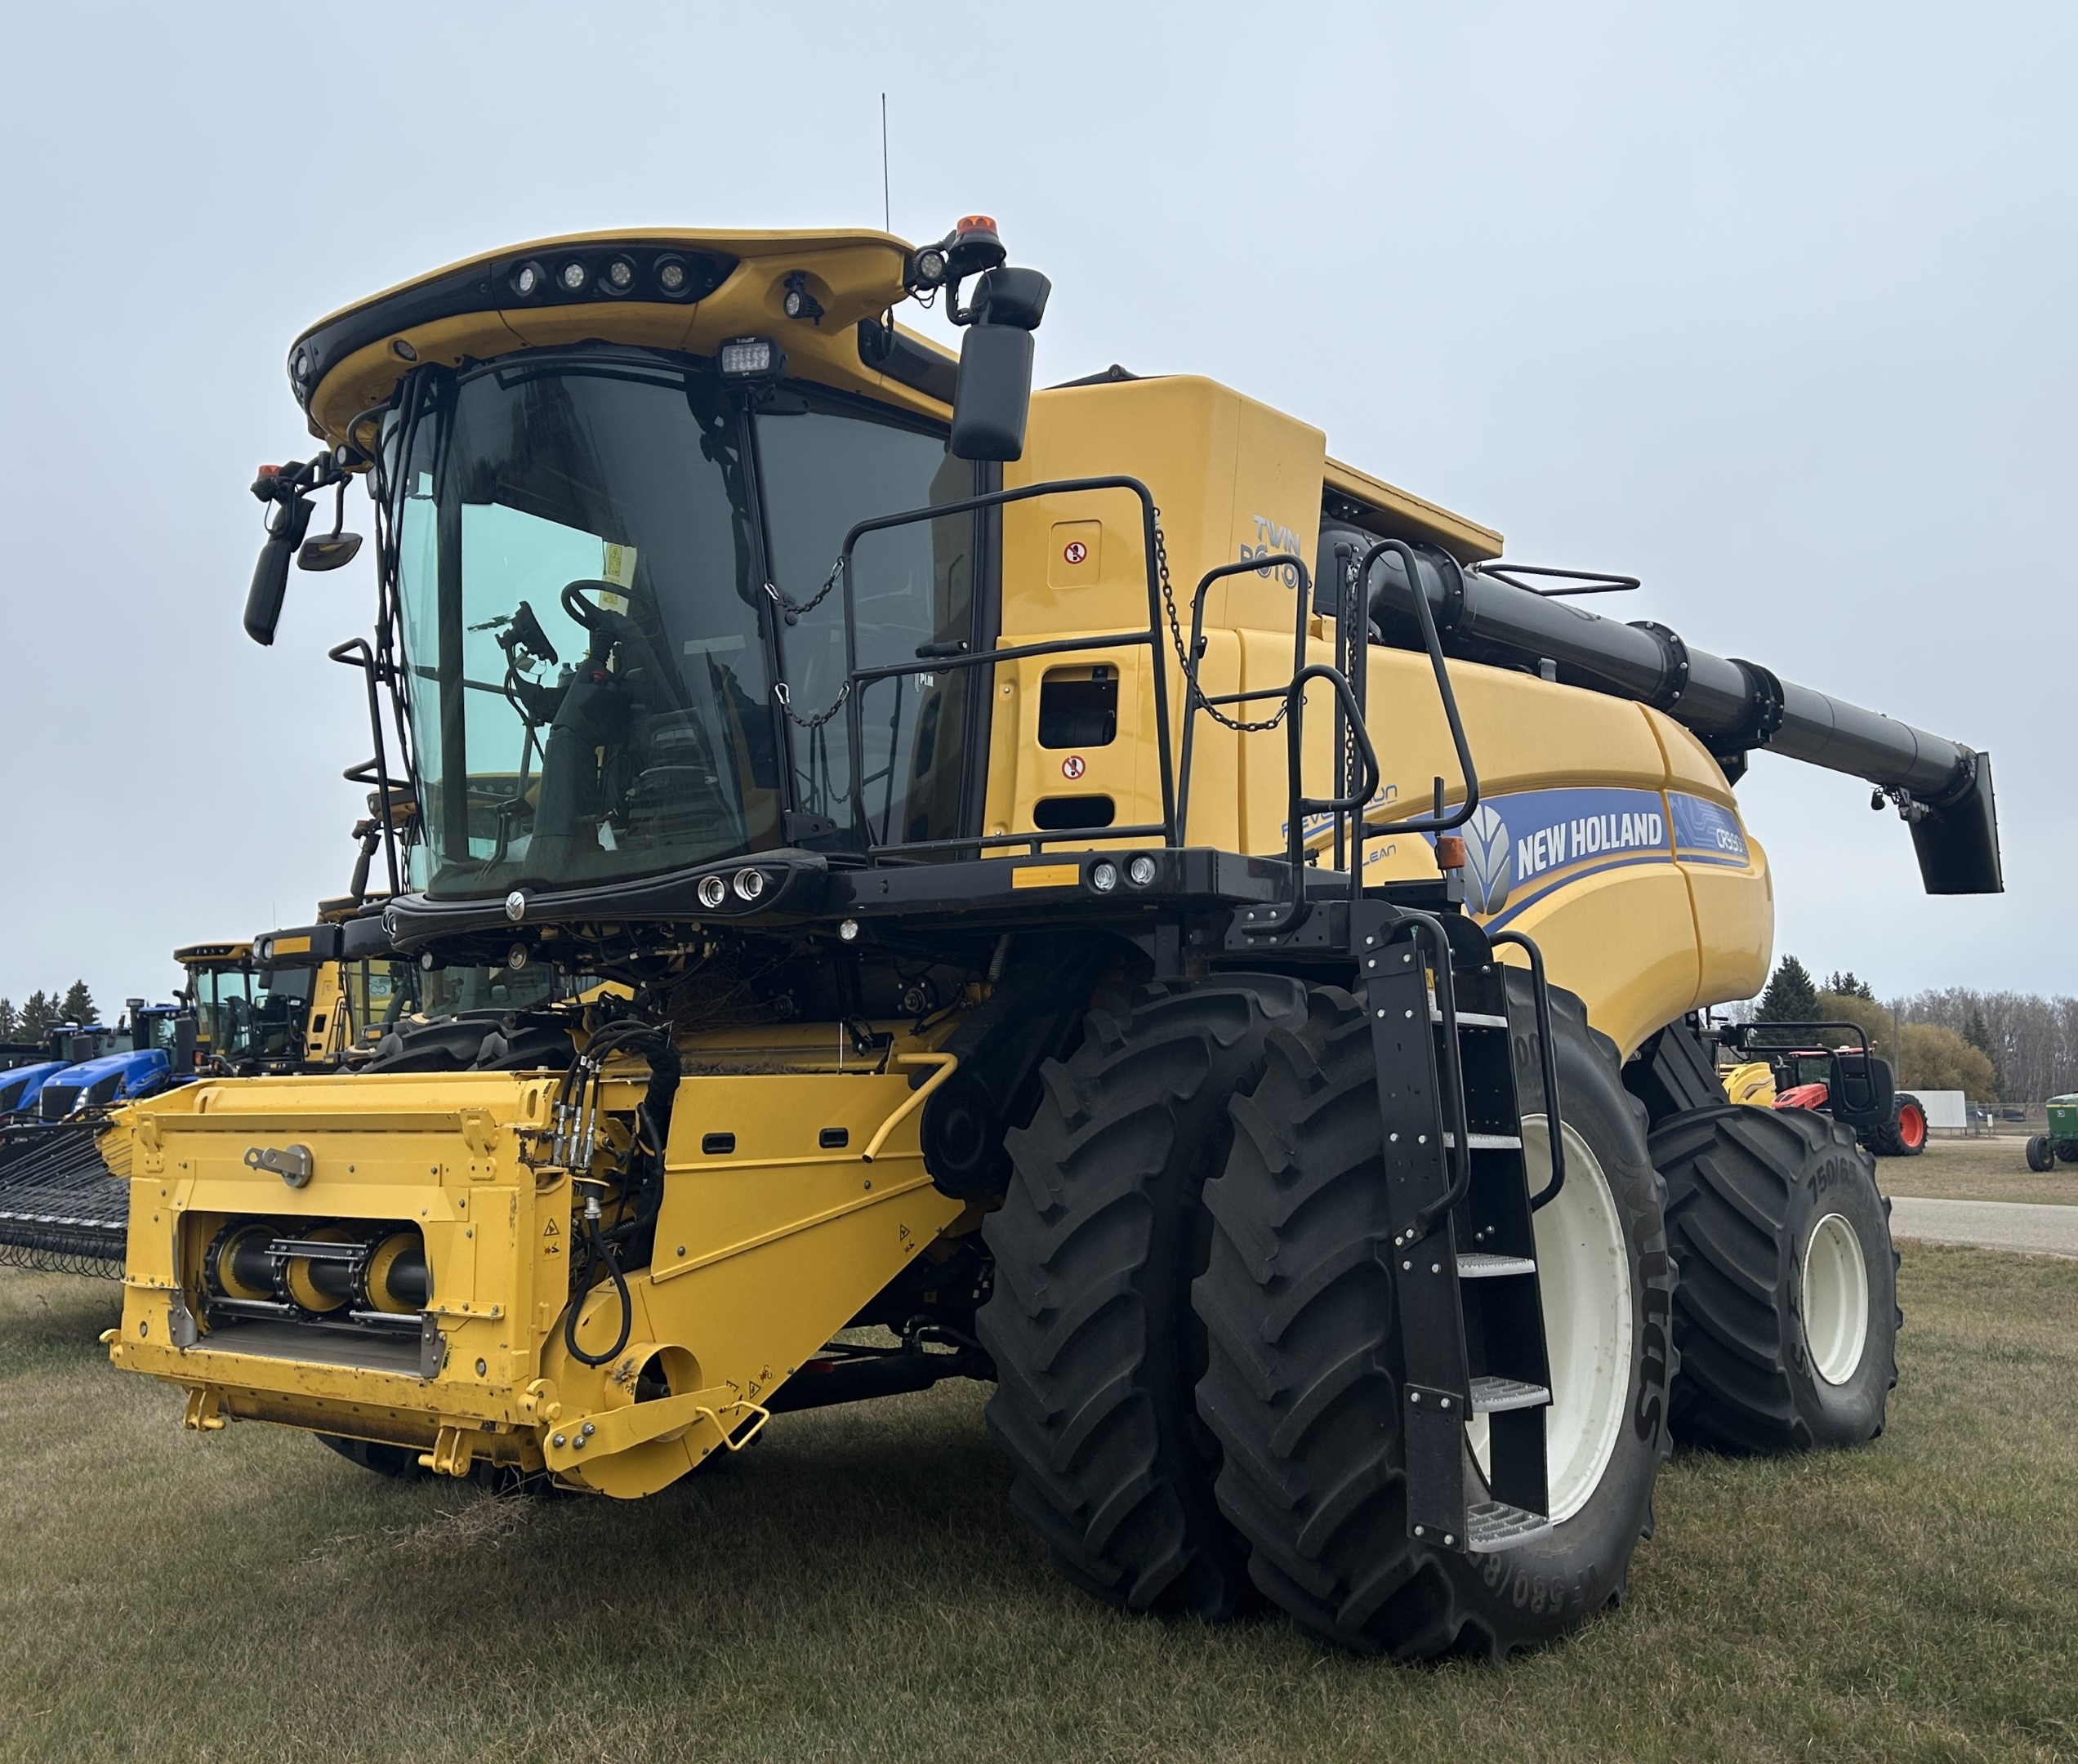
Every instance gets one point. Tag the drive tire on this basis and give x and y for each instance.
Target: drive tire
(1774, 1356)
(1905, 1134)
(1303, 1387)
(2041, 1154)
(1090, 1323)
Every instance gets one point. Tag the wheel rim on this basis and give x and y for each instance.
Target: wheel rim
(1911, 1125)
(1583, 1278)
(1835, 1299)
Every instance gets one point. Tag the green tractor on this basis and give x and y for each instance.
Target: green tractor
(2061, 1140)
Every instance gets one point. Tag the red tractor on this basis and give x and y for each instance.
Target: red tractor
(1904, 1134)
(1849, 1083)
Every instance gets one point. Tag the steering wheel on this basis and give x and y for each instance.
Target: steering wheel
(592, 617)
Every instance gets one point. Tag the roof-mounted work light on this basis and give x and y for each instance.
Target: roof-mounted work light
(749, 359)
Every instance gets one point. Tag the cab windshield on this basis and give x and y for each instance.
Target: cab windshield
(241, 1015)
(583, 548)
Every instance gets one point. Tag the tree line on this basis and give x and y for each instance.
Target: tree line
(2018, 1048)
(42, 1012)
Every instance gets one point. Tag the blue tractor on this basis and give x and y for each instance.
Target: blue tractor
(90, 1066)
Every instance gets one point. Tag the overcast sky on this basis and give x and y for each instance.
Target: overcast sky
(1770, 308)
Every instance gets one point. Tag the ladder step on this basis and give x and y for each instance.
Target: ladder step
(1489, 1395)
(1470, 1019)
(1487, 1141)
(1496, 1525)
(1478, 1264)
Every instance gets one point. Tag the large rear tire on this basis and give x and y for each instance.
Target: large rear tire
(1786, 1318)
(1302, 1388)
(1905, 1133)
(1090, 1323)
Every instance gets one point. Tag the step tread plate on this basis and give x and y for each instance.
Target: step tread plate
(1480, 1264)
(1491, 1395)
(1470, 1019)
(1494, 1525)
(1487, 1141)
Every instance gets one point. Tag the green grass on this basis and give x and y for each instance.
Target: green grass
(1977, 1169)
(855, 1586)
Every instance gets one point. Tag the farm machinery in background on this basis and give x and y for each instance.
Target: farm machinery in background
(1847, 1082)
(309, 999)
(1103, 895)
(2058, 1142)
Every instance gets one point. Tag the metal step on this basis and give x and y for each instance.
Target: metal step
(1487, 1141)
(1489, 1395)
(1478, 1264)
(1496, 1525)
(1470, 1019)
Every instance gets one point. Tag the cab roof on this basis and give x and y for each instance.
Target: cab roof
(685, 289)
(688, 290)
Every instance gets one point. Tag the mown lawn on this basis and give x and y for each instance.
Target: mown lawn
(1988, 1169)
(855, 1586)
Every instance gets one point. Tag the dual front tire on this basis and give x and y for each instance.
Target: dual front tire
(1194, 1330)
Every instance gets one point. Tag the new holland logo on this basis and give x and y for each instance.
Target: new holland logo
(1489, 862)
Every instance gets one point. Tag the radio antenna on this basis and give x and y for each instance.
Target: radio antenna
(887, 201)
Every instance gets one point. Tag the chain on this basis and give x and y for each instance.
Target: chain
(795, 611)
(1187, 663)
(786, 704)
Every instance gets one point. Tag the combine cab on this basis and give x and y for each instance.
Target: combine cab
(1104, 898)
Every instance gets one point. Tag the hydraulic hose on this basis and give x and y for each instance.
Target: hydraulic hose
(597, 1251)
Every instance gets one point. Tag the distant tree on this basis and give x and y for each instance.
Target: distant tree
(1847, 986)
(78, 1005)
(1935, 1058)
(2034, 1039)
(1975, 1032)
(9, 1020)
(1791, 996)
(39, 1011)
(1865, 1014)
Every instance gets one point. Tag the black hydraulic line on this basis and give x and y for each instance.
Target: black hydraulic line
(598, 1252)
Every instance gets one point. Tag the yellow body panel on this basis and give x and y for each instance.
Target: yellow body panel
(1752, 1083)
(1643, 932)
(762, 1253)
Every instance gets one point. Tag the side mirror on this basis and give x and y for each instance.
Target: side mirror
(328, 551)
(263, 601)
(993, 396)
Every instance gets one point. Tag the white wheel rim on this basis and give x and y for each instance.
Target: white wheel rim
(1584, 1277)
(1835, 1299)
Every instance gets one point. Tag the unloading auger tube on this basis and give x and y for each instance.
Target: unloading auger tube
(1942, 789)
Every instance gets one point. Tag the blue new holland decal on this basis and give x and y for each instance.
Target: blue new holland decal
(1522, 844)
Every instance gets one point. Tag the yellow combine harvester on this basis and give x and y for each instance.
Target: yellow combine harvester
(1110, 895)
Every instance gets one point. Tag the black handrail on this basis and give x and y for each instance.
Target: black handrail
(856, 676)
(1419, 924)
(365, 660)
(1299, 804)
(1438, 822)
(1547, 1061)
(1194, 698)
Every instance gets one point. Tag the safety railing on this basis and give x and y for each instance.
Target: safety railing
(857, 679)
(1358, 773)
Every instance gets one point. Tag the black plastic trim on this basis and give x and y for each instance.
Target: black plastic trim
(486, 286)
